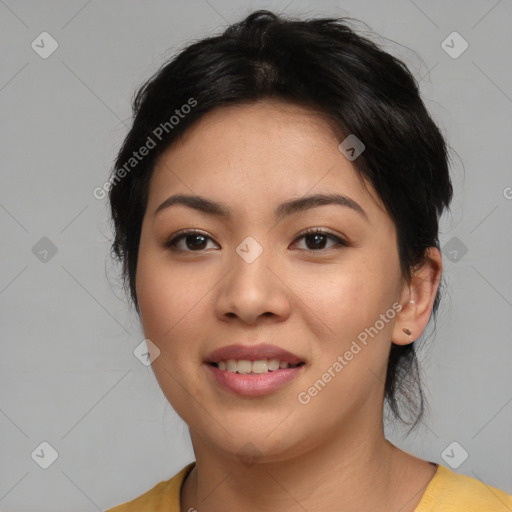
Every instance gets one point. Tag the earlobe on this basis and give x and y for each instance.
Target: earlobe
(418, 298)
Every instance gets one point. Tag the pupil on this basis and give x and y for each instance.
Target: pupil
(316, 236)
(199, 245)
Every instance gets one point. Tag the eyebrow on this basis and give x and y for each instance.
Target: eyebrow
(290, 207)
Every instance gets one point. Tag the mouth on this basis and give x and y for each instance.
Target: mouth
(246, 359)
(248, 367)
(253, 370)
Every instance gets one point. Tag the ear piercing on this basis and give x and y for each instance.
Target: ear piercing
(407, 331)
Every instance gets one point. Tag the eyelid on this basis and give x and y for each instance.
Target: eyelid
(183, 233)
(321, 231)
(341, 241)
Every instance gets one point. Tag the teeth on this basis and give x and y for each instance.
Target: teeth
(273, 364)
(259, 366)
(244, 366)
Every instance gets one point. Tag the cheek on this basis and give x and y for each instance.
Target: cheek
(352, 347)
(345, 299)
(171, 299)
(172, 314)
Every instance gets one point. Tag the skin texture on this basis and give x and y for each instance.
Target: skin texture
(330, 454)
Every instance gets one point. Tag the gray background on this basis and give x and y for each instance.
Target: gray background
(68, 375)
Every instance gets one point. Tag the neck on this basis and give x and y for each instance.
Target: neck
(353, 471)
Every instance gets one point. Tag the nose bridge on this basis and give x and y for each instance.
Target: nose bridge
(250, 266)
(250, 250)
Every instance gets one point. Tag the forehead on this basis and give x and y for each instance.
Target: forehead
(266, 151)
(276, 126)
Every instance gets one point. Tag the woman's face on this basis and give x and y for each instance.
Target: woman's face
(253, 278)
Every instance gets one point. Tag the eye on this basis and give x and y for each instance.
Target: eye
(317, 238)
(195, 241)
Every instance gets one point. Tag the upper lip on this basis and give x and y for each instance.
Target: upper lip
(252, 353)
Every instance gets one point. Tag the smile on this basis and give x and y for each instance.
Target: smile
(236, 379)
(246, 367)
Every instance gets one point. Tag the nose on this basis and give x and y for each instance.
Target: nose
(253, 287)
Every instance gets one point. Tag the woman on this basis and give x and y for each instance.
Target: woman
(276, 208)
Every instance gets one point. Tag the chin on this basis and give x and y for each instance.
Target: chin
(251, 444)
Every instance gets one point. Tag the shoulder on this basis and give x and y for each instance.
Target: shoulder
(164, 496)
(452, 492)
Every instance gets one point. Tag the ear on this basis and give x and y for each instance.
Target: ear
(417, 299)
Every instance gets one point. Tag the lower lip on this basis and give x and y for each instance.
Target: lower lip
(254, 384)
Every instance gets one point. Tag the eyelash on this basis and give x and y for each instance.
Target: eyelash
(170, 244)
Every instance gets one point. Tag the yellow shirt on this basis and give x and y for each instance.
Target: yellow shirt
(446, 492)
